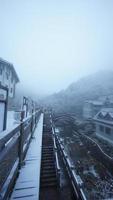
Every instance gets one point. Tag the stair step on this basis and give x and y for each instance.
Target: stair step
(51, 158)
(48, 171)
(45, 185)
(45, 159)
(49, 180)
(47, 142)
(46, 167)
(48, 163)
(47, 149)
(48, 176)
(50, 147)
(47, 153)
(45, 156)
(48, 157)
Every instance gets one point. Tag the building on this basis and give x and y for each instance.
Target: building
(91, 108)
(104, 124)
(8, 77)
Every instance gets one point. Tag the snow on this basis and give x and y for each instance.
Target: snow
(28, 182)
(14, 118)
(91, 170)
(10, 119)
(2, 107)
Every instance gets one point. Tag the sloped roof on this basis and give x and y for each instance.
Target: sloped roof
(98, 103)
(105, 115)
(11, 67)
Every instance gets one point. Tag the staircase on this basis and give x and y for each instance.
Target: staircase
(48, 179)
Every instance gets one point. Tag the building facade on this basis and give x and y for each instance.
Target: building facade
(8, 77)
(104, 124)
(91, 108)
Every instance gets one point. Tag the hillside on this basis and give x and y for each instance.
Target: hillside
(90, 87)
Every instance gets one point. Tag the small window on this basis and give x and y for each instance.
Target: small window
(7, 76)
(108, 130)
(12, 79)
(101, 128)
(11, 90)
(0, 71)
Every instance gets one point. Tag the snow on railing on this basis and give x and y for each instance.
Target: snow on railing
(58, 170)
(76, 181)
(13, 147)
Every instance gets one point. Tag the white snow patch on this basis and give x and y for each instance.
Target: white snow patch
(10, 119)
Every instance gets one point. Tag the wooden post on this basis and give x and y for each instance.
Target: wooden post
(21, 140)
(6, 109)
(32, 124)
(35, 118)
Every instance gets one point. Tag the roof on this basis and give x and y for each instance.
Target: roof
(105, 115)
(100, 103)
(11, 67)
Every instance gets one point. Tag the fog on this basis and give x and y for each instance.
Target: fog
(54, 43)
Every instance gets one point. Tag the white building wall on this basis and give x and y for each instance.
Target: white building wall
(7, 81)
(87, 110)
(103, 134)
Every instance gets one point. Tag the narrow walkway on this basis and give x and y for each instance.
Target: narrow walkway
(27, 184)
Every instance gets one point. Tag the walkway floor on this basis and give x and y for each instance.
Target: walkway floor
(27, 184)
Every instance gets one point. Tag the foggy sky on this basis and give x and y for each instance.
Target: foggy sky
(53, 43)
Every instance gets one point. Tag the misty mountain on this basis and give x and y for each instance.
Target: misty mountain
(90, 87)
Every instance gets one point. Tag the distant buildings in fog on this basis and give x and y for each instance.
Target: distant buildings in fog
(8, 77)
(91, 108)
(104, 124)
(101, 112)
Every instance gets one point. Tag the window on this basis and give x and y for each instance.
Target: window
(108, 130)
(7, 76)
(11, 79)
(11, 90)
(101, 128)
(0, 71)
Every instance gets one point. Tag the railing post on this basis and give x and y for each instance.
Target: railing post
(21, 140)
(32, 124)
(35, 119)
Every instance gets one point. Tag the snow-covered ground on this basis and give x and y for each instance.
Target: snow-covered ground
(10, 119)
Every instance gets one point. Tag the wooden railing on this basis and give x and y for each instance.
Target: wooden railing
(13, 147)
(57, 166)
(76, 182)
